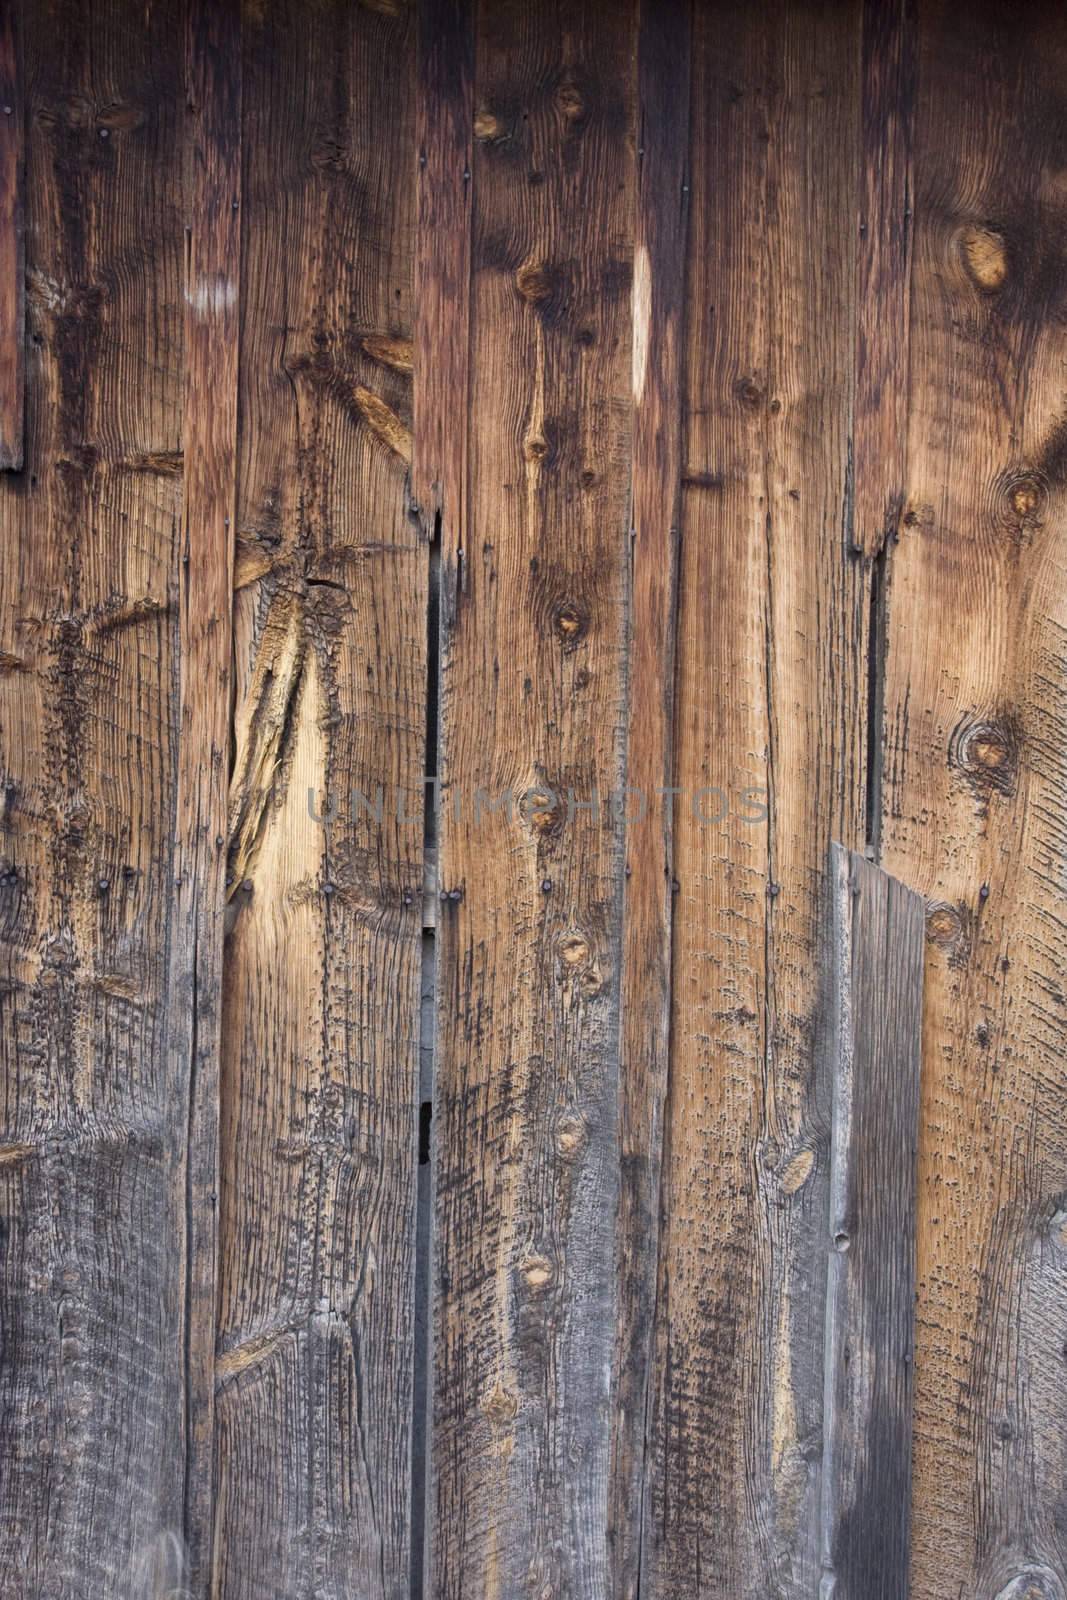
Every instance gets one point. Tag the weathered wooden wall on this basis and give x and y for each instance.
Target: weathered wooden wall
(532, 692)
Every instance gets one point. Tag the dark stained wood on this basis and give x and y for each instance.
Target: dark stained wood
(973, 799)
(881, 405)
(321, 1025)
(12, 243)
(658, 299)
(533, 606)
(94, 1120)
(444, 132)
(770, 722)
(877, 949)
(205, 592)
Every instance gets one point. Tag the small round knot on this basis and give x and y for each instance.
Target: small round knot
(574, 949)
(986, 751)
(985, 258)
(944, 925)
(537, 1272)
(571, 624)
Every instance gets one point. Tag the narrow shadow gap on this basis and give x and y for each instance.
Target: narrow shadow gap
(876, 664)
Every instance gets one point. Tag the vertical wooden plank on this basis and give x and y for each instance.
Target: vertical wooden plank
(321, 1026)
(12, 243)
(881, 405)
(95, 1126)
(663, 52)
(878, 936)
(205, 594)
(533, 602)
(974, 785)
(444, 135)
(770, 729)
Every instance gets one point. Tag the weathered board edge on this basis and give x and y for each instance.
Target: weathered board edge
(12, 242)
(213, 178)
(444, 76)
(878, 931)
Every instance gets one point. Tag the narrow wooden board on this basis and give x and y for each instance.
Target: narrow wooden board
(95, 1124)
(12, 242)
(205, 596)
(884, 268)
(876, 954)
(658, 299)
(321, 1026)
(883, 319)
(445, 137)
(770, 724)
(444, 131)
(533, 609)
(974, 786)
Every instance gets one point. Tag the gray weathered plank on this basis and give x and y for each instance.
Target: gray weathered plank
(877, 991)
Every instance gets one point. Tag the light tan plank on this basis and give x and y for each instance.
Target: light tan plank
(321, 1026)
(770, 762)
(205, 598)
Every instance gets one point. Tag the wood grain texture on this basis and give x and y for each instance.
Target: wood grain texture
(444, 134)
(884, 267)
(876, 955)
(658, 300)
(205, 598)
(95, 1122)
(533, 604)
(321, 1026)
(744, 508)
(973, 800)
(12, 241)
(770, 722)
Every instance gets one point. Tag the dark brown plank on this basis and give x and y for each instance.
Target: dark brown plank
(205, 596)
(95, 1122)
(533, 603)
(663, 51)
(877, 950)
(444, 135)
(769, 739)
(973, 805)
(12, 242)
(884, 265)
(321, 1023)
